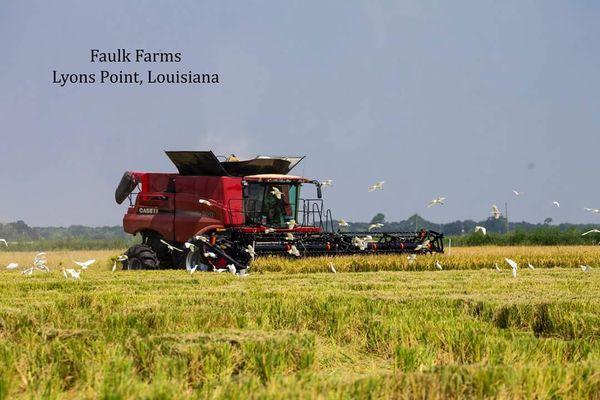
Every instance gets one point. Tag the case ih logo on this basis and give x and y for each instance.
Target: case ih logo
(147, 210)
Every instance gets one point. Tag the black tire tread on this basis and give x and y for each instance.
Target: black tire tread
(144, 254)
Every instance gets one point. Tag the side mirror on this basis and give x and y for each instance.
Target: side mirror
(245, 192)
(126, 186)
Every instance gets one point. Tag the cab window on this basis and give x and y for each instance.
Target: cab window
(271, 203)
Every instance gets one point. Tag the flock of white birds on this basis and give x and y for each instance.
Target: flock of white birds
(439, 201)
(40, 260)
(362, 243)
(40, 263)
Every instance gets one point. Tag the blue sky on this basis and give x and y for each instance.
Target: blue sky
(467, 100)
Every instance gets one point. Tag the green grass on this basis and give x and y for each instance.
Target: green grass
(388, 334)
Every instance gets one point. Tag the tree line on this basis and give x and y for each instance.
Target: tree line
(77, 237)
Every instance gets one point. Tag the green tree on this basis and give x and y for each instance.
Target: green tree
(379, 218)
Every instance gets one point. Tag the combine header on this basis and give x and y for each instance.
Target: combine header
(218, 214)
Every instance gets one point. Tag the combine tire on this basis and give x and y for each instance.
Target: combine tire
(141, 256)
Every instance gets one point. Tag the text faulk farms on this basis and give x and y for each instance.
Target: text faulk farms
(138, 55)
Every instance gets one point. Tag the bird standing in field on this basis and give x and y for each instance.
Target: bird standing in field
(496, 212)
(332, 268)
(481, 229)
(438, 265)
(4, 241)
(585, 268)
(12, 266)
(530, 266)
(436, 201)
(376, 186)
(496, 266)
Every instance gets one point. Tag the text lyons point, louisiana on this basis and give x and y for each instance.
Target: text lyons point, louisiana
(121, 77)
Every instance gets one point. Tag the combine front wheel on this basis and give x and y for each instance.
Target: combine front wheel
(140, 256)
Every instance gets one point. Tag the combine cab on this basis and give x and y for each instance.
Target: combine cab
(221, 214)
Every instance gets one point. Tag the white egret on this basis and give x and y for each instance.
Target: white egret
(332, 268)
(592, 231)
(171, 247)
(376, 186)
(496, 211)
(437, 201)
(276, 192)
(481, 229)
(294, 251)
(84, 264)
(375, 226)
(513, 265)
(250, 250)
(291, 224)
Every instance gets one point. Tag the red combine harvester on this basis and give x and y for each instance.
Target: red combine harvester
(221, 214)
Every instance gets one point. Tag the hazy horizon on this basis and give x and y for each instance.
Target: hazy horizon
(467, 100)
